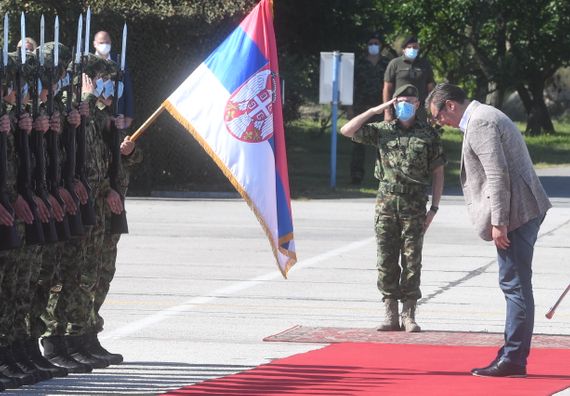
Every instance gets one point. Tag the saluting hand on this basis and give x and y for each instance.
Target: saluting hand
(6, 217)
(23, 211)
(88, 86)
(114, 202)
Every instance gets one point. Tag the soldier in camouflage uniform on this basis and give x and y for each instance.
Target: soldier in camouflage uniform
(19, 264)
(410, 154)
(70, 309)
(130, 156)
(48, 279)
(368, 80)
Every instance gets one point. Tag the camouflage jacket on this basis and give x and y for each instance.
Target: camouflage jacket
(368, 83)
(405, 156)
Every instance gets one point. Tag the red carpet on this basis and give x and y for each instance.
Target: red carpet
(388, 369)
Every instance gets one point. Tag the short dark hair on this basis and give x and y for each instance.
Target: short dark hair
(442, 93)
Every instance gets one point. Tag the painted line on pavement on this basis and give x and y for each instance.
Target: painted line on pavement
(228, 290)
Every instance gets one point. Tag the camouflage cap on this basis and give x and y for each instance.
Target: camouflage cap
(95, 66)
(29, 68)
(406, 90)
(112, 68)
(48, 48)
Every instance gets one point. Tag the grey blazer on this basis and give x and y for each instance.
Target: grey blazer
(499, 183)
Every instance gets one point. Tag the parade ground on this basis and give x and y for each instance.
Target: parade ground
(197, 294)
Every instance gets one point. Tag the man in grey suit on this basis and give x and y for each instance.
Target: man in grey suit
(506, 203)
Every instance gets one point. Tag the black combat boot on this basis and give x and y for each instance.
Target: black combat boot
(35, 355)
(7, 382)
(10, 369)
(76, 349)
(25, 364)
(95, 349)
(55, 351)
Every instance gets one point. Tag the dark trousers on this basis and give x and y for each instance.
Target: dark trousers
(515, 280)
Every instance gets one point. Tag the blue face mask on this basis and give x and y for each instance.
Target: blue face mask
(411, 53)
(99, 87)
(405, 111)
(109, 89)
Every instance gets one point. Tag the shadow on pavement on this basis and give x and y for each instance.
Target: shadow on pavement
(131, 378)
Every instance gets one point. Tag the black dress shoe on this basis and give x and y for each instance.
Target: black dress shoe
(501, 369)
(486, 367)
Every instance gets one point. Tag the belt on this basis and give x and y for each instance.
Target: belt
(401, 188)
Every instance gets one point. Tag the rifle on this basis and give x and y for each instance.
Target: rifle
(54, 179)
(50, 231)
(119, 223)
(9, 237)
(34, 231)
(87, 209)
(68, 171)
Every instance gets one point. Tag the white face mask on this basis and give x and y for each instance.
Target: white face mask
(103, 49)
(411, 53)
(374, 49)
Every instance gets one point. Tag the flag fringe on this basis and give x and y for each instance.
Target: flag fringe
(227, 172)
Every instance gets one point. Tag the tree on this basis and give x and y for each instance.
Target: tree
(501, 44)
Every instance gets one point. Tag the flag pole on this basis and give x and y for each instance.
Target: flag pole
(147, 123)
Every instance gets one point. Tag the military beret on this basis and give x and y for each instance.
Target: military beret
(406, 90)
(409, 40)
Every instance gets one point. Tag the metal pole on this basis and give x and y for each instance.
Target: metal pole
(335, 102)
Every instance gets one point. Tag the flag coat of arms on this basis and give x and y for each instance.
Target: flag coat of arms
(231, 104)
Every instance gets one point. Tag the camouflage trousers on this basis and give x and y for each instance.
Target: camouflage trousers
(399, 222)
(48, 282)
(69, 309)
(20, 272)
(108, 267)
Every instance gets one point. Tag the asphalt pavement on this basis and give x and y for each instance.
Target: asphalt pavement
(197, 288)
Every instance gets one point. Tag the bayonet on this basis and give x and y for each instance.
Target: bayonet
(56, 43)
(124, 48)
(5, 48)
(78, 45)
(87, 31)
(23, 40)
(42, 40)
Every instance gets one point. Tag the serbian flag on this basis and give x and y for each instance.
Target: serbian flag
(231, 104)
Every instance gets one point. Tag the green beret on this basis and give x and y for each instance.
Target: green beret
(406, 90)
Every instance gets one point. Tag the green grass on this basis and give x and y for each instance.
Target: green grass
(308, 151)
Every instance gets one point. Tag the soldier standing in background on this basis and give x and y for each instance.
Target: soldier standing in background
(412, 69)
(410, 155)
(368, 78)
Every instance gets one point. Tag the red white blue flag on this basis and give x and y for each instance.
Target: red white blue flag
(231, 104)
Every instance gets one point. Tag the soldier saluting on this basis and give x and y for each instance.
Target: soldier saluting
(410, 154)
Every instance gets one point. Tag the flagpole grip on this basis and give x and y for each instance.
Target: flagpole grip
(146, 124)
